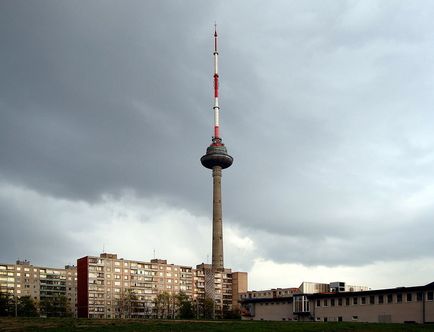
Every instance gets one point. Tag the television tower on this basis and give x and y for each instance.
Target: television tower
(216, 158)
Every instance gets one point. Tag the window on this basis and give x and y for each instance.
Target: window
(347, 301)
(355, 300)
(326, 303)
(399, 298)
(318, 303)
(409, 297)
(332, 302)
(355, 317)
(339, 302)
(363, 300)
(419, 296)
(389, 298)
(380, 299)
(372, 299)
(430, 296)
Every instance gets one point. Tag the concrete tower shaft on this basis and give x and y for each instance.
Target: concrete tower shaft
(217, 222)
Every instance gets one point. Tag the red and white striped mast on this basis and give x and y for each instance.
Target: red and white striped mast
(216, 139)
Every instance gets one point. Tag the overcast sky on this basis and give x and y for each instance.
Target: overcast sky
(326, 107)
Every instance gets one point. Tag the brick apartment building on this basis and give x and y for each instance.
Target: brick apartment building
(106, 281)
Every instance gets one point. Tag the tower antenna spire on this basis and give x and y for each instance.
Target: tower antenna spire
(216, 138)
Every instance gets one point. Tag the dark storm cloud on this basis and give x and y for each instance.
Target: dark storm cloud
(97, 97)
(325, 108)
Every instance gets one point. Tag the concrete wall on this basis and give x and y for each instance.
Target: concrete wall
(429, 312)
(273, 311)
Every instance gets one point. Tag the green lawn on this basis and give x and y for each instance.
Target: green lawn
(63, 324)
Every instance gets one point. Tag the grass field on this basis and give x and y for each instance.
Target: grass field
(60, 324)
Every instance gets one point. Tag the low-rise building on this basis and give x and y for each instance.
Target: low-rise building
(394, 305)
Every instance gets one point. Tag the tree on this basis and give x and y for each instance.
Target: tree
(208, 308)
(231, 314)
(173, 305)
(56, 306)
(162, 305)
(6, 304)
(131, 303)
(26, 307)
(185, 306)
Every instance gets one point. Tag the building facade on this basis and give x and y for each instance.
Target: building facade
(395, 305)
(42, 284)
(112, 287)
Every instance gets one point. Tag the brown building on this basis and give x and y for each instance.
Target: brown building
(110, 287)
(395, 305)
(40, 283)
(239, 286)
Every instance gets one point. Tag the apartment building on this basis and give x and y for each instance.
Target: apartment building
(40, 283)
(110, 287)
(223, 287)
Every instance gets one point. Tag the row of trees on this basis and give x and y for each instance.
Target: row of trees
(164, 306)
(25, 306)
(167, 306)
